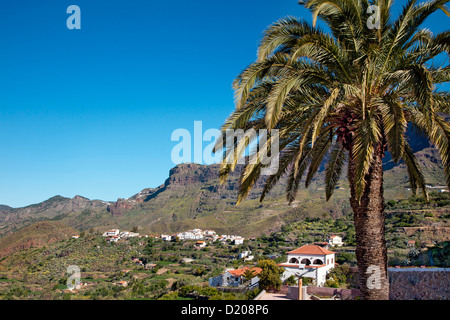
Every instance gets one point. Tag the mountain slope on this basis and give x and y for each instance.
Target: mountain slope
(12, 219)
(35, 235)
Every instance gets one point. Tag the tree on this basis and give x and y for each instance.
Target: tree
(270, 276)
(249, 274)
(291, 281)
(347, 96)
(149, 248)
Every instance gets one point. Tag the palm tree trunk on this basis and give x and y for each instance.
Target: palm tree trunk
(369, 218)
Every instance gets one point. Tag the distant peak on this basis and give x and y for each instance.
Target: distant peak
(77, 197)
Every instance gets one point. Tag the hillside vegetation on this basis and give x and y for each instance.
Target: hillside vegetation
(35, 235)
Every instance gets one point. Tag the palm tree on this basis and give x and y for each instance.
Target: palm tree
(249, 274)
(346, 97)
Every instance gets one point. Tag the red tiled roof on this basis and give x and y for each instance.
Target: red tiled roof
(240, 272)
(312, 249)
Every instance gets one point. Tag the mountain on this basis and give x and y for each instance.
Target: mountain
(35, 235)
(12, 219)
(193, 197)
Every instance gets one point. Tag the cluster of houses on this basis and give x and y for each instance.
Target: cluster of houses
(311, 261)
(198, 234)
(115, 235)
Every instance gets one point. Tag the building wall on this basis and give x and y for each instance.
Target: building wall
(346, 294)
(312, 258)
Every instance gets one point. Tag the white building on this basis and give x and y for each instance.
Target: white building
(127, 234)
(335, 241)
(111, 233)
(200, 244)
(238, 240)
(133, 234)
(113, 239)
(234, 278)
(244, 254)
(310, 261)
(166, 237)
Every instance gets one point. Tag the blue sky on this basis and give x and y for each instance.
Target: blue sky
(91, 111)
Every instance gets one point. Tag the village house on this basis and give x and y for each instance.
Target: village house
(200, 244)
(335, 241)
(113, 239)
(127, 234)
(238, 240)
(235, 278)
(111, 233)
(166, 237)
(310, 261)
(244, 254)
(77, 286)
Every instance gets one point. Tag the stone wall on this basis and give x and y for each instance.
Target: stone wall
(344, 294)
(419, 285)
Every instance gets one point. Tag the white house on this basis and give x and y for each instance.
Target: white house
(111, 233)
(310, 261)
(335, 241)
(113, 239)
(166, 237)
(244, 254)
(200, 244)
(238, 240)
(234, 278)
(133, 234)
